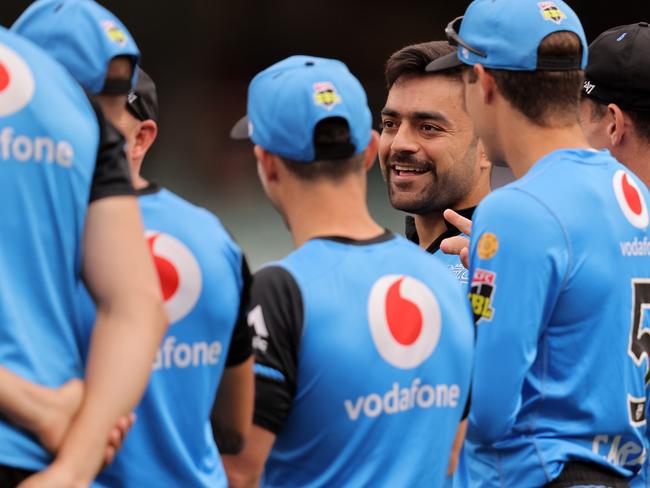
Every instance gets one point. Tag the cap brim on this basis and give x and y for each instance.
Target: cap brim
(443, 63)
(239, 131)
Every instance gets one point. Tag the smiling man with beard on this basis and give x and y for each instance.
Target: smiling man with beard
(430, 157)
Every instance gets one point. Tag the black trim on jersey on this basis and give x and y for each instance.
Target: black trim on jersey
(151, 188)
(241, 346)
(387, 235)
(112, 176)
(276, 344)
(11, 477)
(411, 232)
(583, 473)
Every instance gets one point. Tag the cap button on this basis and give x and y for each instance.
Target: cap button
(643, 24)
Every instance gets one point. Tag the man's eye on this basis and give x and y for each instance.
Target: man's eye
(430, 128)
(387, 124)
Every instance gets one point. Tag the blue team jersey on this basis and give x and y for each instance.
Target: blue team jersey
(560, 267)
(364, 355)
(200, 271)
(49, 137)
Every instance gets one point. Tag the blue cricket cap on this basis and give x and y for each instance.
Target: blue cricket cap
(506, 34)
(81, 35)
(287, 100)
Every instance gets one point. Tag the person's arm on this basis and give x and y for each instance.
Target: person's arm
(458, 245)
(519, 261)
(119, 273)
(46, 412)
(276, 317)
(232, 413)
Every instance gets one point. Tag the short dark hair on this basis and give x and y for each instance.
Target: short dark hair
(332, 132)
(412, 61)
(546, 98)
(640, 119)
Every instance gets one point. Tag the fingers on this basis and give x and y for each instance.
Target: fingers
(461, 223)
(464, 257)
(454, 245)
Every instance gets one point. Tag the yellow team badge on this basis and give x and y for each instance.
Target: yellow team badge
(488, 245)
(114, 33)
(325, 95)
(551, 12)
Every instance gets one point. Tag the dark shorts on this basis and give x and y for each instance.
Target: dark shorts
(11, 477)
(578, 473)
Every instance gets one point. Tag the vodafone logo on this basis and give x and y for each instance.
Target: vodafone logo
(16, 82)
(404, 318)
(630, 199)
(179, 273)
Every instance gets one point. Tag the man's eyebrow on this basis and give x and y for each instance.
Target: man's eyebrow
(419, 115)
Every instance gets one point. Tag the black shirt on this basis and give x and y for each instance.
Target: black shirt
(411, 232)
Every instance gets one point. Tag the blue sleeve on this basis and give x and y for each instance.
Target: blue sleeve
(519, 259)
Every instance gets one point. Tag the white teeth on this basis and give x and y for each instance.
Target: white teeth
(397, 167)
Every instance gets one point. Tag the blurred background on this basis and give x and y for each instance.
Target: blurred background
(203, 53)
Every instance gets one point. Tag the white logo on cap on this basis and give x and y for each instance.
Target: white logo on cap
(465, 53)
(404, 319)
(588, 87)
(16, 82)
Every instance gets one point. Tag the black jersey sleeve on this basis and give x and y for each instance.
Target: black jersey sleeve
(240, 344)
(276, 317)
(112, 176)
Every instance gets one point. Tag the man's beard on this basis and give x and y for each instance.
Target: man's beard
(442, 192)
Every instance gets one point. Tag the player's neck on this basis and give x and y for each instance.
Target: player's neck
(527, 143)
(429, 227)
(336, 209)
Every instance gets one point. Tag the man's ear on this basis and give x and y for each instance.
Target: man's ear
(486, 83)
(145, 137)
(616, 124)
(267, 164)
(371, 151)
(483, 161)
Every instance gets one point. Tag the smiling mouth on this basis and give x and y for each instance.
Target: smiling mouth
(405, 170)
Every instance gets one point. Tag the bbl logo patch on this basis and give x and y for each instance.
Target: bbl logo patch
(114, 33)
(551, 12)
(488, 245)
(480, 295)
(325, 95)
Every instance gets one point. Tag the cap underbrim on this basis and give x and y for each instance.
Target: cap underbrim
(239, 131)
(443, 63)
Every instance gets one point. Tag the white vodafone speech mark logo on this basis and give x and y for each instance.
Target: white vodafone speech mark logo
(179, 273)
(16, 82)
(404, 318)
(630, 199)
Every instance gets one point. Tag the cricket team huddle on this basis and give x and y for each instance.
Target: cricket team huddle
(502, 342)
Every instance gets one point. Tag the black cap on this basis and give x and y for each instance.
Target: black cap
(143, 100)
(618, 70)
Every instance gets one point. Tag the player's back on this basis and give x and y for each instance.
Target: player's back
(383, 365)
(49, 138)
(584, 396)
(200, 269)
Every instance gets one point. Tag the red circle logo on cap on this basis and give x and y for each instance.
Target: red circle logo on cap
(404, 319)
(630, 199)
(16, 82)
(179, 274)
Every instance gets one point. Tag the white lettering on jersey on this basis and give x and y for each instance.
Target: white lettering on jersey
(24, 148)
(173, 354)
(255, 319)
(628, 454)
(398, 399)
(636, 247)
